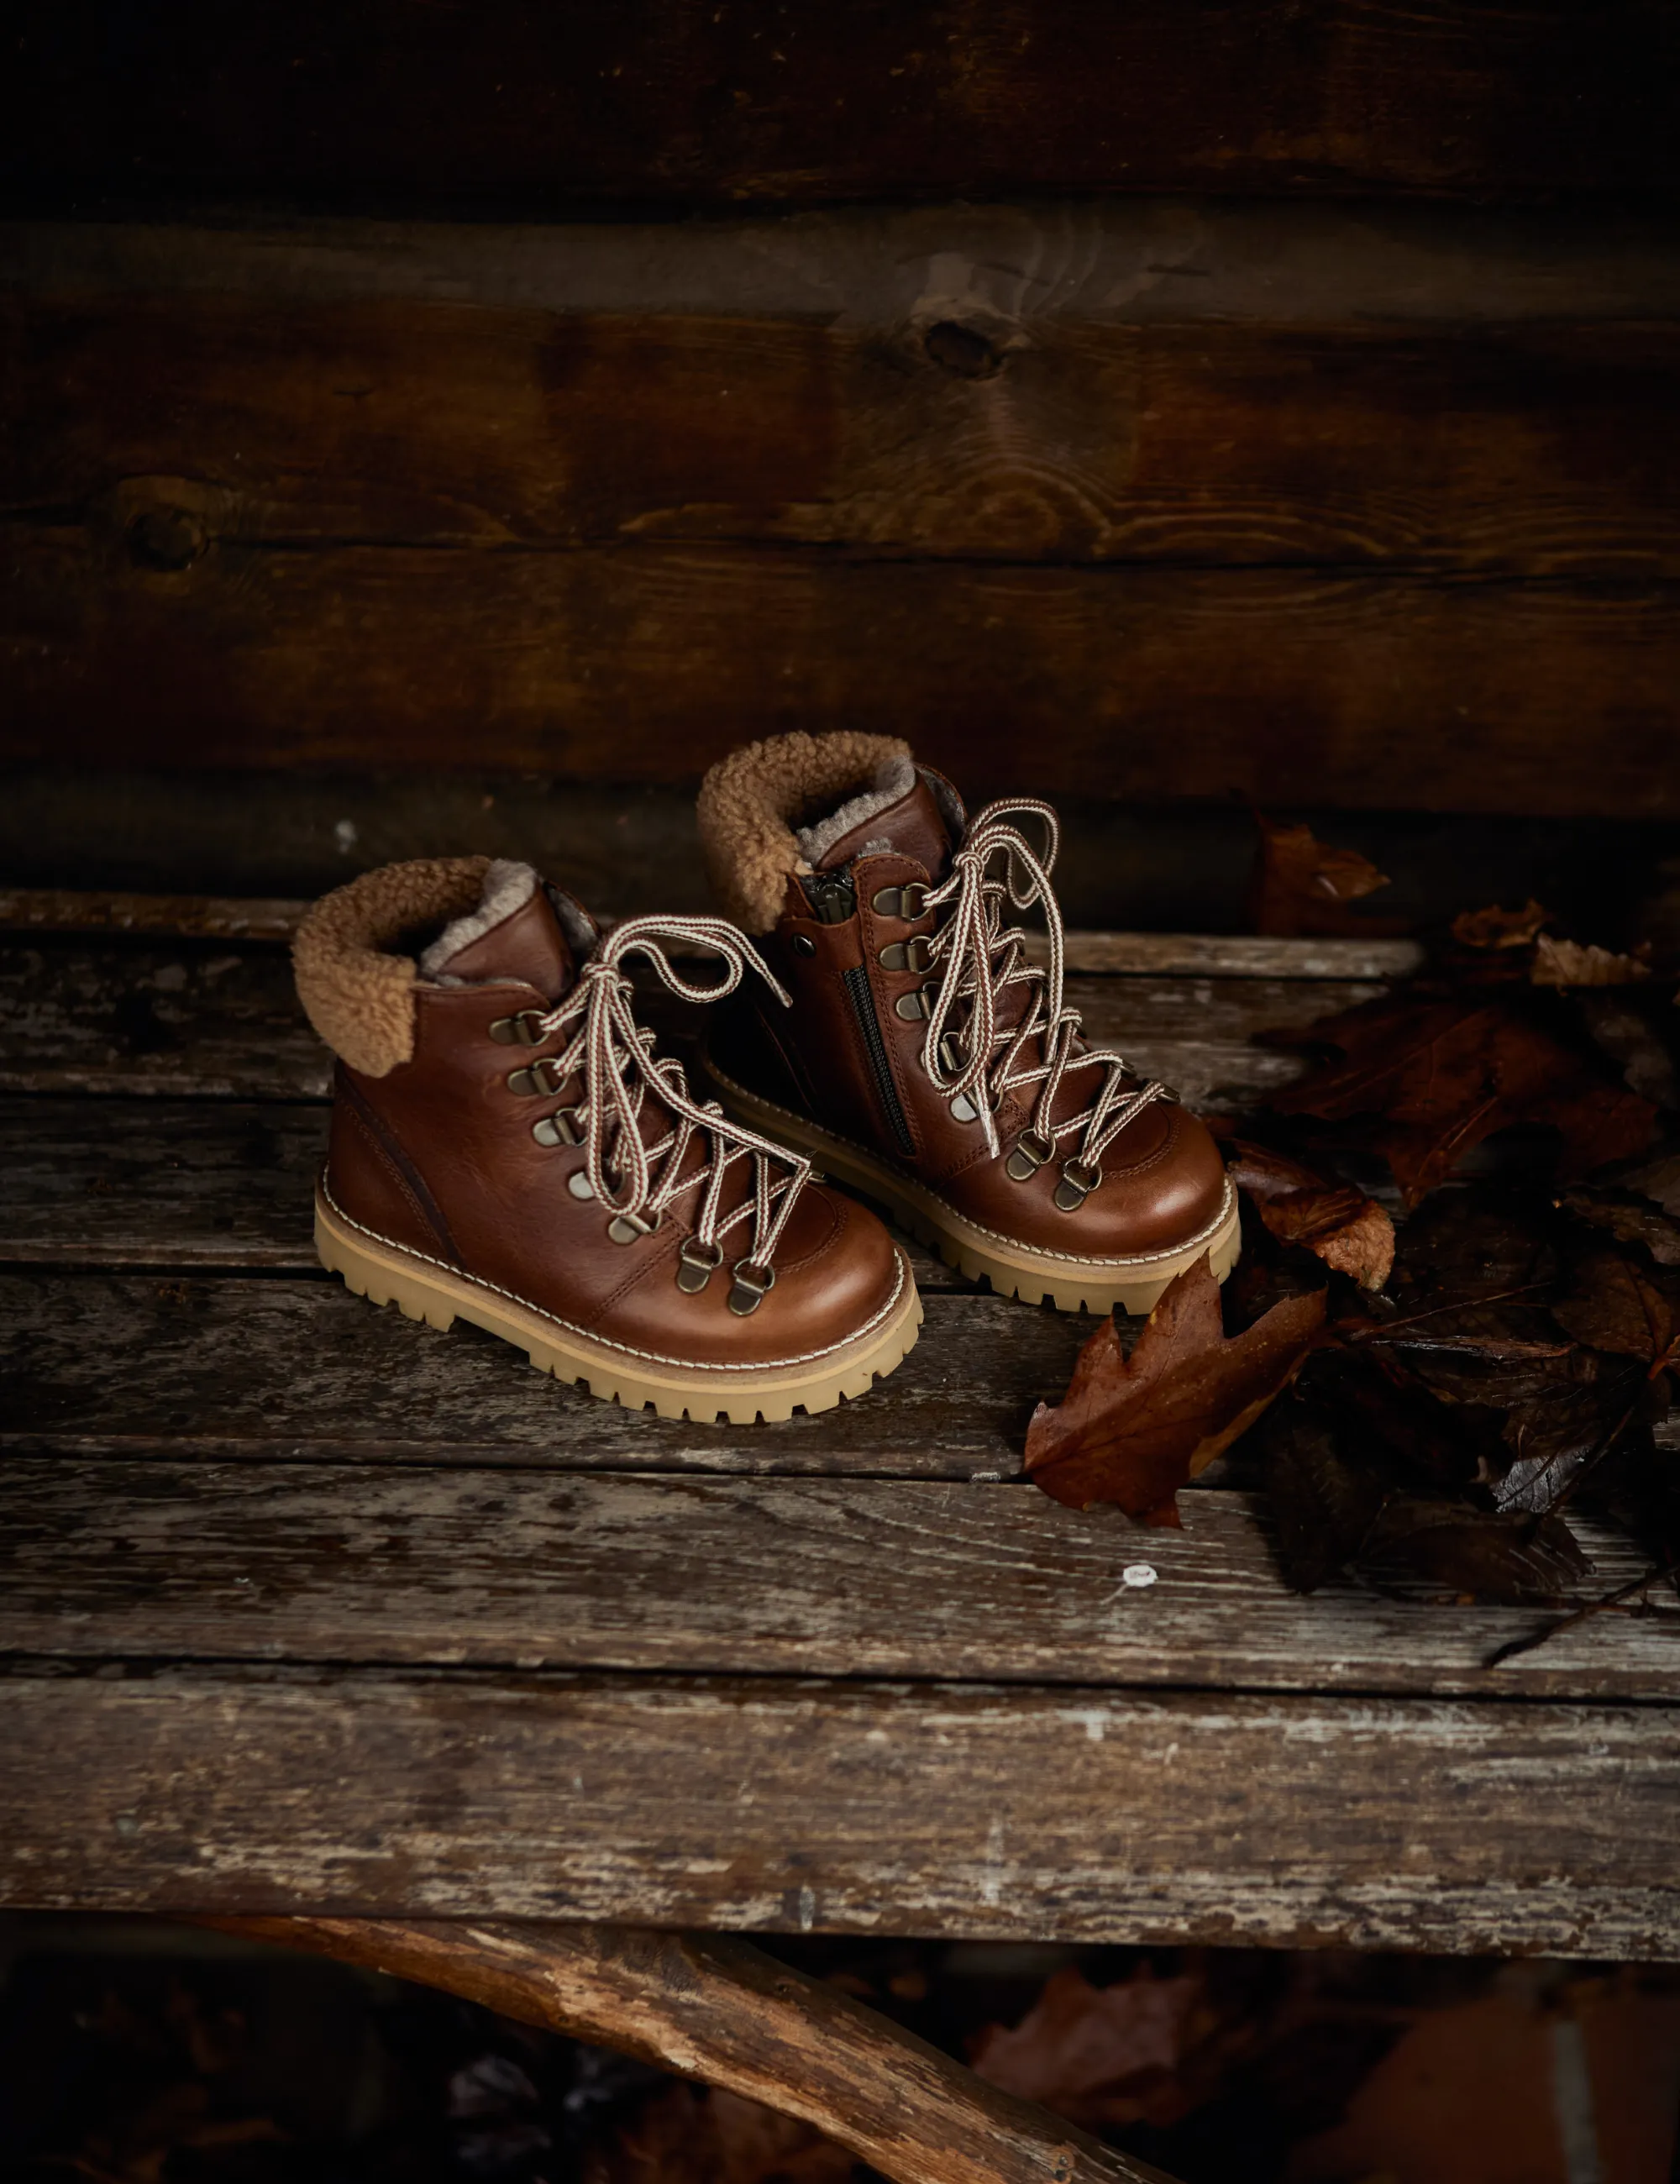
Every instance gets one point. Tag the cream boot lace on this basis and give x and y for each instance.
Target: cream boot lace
(982, 958)
(612, 1057)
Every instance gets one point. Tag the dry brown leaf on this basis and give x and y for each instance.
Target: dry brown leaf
(1567, 963)
(1301, 885)
(1346, 1229)
(687, 2135)
(1613, 1306)
(1494, 927)
(1096, 2055)
(1445, 1074)
(1134, 1431)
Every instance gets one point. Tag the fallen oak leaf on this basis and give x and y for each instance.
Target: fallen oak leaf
(1337, 1221)
(1133, 1431)
(1630, 1218)
(1302, 886)
(1445, 1074)
(1097, 2055)
(1506, 1558)
(1494, 927)
(1613, 1306)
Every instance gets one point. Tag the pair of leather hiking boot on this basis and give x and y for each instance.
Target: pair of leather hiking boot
(510, 1147)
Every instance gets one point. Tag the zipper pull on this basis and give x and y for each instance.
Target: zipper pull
(832, 896)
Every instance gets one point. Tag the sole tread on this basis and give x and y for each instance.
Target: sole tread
(384, 1275)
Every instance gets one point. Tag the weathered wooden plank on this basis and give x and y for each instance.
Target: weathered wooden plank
(1080, 1814)
(1242, 955)
(1298, 687)
(728, 2014)
(169, 917)
(205, 1020)
(185, 422)
(160, 1182)
(678, 104)
(267, 1368)
(183, 1561)
(1118, 261)
(201, 1021)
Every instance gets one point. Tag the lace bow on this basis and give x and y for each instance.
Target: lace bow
(983, 959)
(613, 1058)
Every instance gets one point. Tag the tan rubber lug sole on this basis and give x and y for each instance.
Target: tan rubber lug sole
(385, 1274)
(1133, 1286)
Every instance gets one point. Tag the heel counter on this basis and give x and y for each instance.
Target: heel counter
(372, 1179)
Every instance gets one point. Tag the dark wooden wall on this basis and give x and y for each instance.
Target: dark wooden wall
(1299, 417)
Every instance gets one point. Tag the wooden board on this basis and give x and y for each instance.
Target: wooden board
(261, 1369)
(193, 421)
(1301, 688)
(182, 1560)
(510, 101)
(1077, 1815)
(204, 1020)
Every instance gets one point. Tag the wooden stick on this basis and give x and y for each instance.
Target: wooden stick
(714, 2009)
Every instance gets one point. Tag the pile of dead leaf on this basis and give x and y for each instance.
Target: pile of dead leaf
(1456, 1320)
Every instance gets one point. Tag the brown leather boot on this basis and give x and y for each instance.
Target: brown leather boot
(926, 1060)
(507, 1147)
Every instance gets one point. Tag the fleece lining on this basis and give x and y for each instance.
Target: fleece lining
(752, 802)
(357, 993)
(507, 887)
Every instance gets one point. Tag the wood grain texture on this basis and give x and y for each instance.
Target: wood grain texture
(186, 423)
(182, 1560)
(208, 1020)
(239, 1370)
(724, 2012)
(676, 102)
(814, 1806)
(1300, 687)
(1242, 955)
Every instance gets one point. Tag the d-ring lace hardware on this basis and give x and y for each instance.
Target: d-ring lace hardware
(539, 1077)
(635, 1174)
(908, 902)
(1010, 1044)
(1077, 1184)
(526, 1029)
(753, 1283)
(912, 1006)
(914, 954)
(1031, 1152)
(694, 1267)
(558, 1130)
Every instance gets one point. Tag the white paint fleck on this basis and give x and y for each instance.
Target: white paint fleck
(1095, 1721)
(992, 1876)
(806, 1910)
(344, 833)
(1139, 1574)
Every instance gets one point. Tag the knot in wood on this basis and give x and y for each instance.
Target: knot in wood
(962, 349)
(166, 538)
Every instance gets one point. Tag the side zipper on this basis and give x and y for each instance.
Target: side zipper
(863, 1007)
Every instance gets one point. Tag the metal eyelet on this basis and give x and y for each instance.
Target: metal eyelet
(558, 1130)
(692, 1272)
(578, 1183)
(913, 1005)
(537, 1077)
(1078, 1182)
(1031, 1152)
(526, 1029)
(625, 1227)
(803, 945)
(751, 1285)
(916, 955)
(909, 902)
